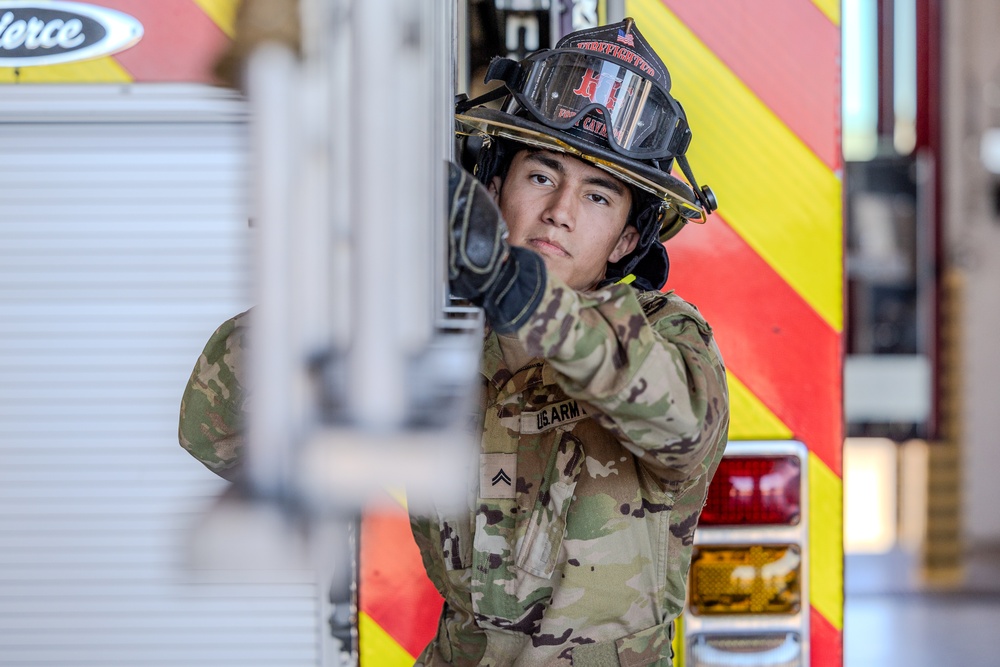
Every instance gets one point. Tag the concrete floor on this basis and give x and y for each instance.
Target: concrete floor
(892, 620)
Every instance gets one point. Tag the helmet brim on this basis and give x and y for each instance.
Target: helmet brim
(681, 205)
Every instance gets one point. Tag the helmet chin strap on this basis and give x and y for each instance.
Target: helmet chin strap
(705, 195)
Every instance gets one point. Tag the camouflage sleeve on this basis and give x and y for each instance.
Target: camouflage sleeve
(211, 417)
(647, 362)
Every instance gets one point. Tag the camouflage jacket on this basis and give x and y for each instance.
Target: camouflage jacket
(594, 466)
(578, 553)
(211, 417)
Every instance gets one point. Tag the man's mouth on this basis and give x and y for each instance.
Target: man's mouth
(548, 247)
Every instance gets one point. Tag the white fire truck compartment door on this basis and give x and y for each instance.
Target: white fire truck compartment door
(122, 246)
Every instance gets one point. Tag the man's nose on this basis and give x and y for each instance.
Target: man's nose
(560, 209)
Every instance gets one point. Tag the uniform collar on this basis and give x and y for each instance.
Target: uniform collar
(496, 372)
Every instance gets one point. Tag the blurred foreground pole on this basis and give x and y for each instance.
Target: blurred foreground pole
(362, 376)
(361, 373)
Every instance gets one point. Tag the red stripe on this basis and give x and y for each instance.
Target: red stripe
(393, 588)
(785, 52)
(770, 337)
(180, 43)
(825, 642)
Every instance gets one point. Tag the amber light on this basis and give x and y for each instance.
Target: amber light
(754, 490)
(745, 580)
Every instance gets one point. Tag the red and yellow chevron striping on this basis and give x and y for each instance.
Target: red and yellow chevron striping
(770, 338)
(181, 41)
(398, 604)
(787, 79)
(760, 83)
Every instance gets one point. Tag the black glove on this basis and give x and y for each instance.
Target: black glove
(482, 267)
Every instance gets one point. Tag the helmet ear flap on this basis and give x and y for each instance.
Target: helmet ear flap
(469, 150)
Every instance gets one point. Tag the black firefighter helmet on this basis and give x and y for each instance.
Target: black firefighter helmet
(602, 95)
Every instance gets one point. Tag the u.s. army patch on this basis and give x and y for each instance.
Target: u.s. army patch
(551, 416)
(497, 475)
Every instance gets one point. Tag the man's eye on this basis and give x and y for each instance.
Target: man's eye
(599, 199)
(540, 179)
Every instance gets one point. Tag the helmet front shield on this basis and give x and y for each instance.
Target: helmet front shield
(680, 204)
(588, 93)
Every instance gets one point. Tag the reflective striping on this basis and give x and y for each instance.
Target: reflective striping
(831, 8)
(99, 70)
(377, 648)
(750, 419)
(799, 82)
(393, 588)
(770, 338)
(773, 189)
(826, 545)
(222, 13)
(181, 42)
(768, 271)
(160, 56)
(826, 642)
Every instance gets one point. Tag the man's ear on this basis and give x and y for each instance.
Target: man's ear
(626, 243)
(493, 187)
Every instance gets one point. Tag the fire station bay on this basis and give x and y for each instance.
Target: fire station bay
(166, 166)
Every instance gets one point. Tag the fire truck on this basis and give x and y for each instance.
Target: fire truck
(766, 578)
(766, 270)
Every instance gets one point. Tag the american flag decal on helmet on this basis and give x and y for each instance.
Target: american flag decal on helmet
(626, 38)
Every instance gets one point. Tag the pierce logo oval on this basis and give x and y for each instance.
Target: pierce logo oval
(35, 34)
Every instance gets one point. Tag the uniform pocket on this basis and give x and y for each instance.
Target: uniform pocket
(538, 550)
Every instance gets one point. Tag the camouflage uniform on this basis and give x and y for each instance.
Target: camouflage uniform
(610, 443)
(580, 555)
(211, 419)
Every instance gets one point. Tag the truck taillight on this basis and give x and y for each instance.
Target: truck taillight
(752, 579)
(748, 587)
(754, 490)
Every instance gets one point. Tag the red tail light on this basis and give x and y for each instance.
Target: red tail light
(754, 490)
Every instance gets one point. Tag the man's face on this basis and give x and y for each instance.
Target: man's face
(570, 212)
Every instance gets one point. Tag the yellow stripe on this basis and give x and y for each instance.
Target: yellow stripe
(376, 648)
(222, 12)
(831, 8)
(99, 70)
(751, 420)
(826, 543)
(678, 641)
(399, 495)
(774, 191)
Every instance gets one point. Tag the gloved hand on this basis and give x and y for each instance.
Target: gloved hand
(507, 282)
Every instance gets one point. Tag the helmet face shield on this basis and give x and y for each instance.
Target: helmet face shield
(600, 99)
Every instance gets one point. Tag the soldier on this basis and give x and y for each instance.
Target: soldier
(604, 406)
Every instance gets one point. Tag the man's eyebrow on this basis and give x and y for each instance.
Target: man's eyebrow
(609, 183)
(600, 181)
(546, 161)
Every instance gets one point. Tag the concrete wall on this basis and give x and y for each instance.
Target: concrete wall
(971, 104)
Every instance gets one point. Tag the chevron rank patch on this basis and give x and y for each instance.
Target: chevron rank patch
(497, 475)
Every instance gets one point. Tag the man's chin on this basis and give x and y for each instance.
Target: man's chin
(564, 272)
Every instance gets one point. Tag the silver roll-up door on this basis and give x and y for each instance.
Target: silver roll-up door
(122, 246)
